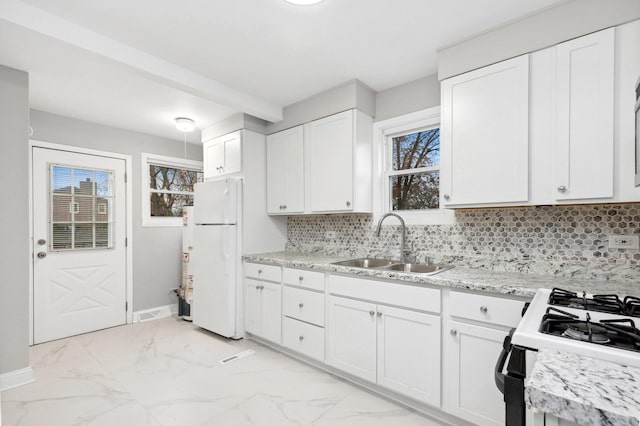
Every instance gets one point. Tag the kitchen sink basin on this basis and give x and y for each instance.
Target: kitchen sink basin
(417, 268)
(366, 263)
(394, 265)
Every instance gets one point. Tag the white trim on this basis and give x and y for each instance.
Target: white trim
(155, 313)
(16, 378)
(129, 220)
(163, 160)
(396, 126)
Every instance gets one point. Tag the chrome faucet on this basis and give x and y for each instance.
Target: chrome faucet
(402, 227)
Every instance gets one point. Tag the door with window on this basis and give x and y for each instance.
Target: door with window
(79, 253)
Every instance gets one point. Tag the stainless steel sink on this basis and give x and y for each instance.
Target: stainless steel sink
(417, 268)
(366, 263)
(394, 265)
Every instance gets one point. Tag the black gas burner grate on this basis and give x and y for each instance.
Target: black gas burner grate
(608, 303)
(617, 333)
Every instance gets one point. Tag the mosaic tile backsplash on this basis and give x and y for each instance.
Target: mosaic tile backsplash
(558, 240)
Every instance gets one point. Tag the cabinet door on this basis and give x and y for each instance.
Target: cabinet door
(213, 158)
(271, 312)
(351, 337)
(409, 353)
(471, 354)
(585, 107)
(485, 121)
(252, 306)
(285, 172)
(232, 153)
(329, 144)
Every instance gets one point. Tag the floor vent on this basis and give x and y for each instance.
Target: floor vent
(155, 313)
(237, 356)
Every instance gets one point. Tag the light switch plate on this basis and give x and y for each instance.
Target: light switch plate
(628, 242)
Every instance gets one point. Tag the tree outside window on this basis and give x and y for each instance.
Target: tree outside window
(170, 189)
(414, 174)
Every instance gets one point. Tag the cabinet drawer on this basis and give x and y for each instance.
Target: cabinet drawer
(389, 293)
(263, 272)
(302, 278)
(304, 338)
(494, 310)
(304, 305)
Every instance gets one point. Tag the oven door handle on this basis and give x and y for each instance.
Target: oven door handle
(502, 359)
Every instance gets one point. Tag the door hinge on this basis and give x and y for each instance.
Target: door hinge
(126, 242)
(126, 306)
(125, 178)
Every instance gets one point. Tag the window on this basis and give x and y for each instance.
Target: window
(414, 172)
(167, 186)
(407, 160)
(81, 206)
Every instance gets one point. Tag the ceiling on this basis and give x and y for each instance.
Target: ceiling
(138, 64)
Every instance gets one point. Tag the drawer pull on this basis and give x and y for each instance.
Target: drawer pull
(483, 309)
(301, 338)
(300, 305)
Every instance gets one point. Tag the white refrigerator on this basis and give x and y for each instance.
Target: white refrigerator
(217, 257)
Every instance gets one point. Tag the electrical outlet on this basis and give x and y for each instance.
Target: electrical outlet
(628, 242)
(330, 235)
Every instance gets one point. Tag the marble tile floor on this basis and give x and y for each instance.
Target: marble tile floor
(167, 372)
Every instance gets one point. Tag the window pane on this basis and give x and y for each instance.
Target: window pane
(83, 181)
(83, 235)
(169, 205)
(420, 149)
(416, 191)
(102, 234)
(61, 180)
(102, 183)
(62, 207)
(61, 236)
(172, 179)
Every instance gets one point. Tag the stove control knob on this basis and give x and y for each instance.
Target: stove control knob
(454, 332)
(483, 309)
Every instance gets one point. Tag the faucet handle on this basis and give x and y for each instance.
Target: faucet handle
(428, 260)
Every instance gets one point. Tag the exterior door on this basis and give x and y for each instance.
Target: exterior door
(79, 246)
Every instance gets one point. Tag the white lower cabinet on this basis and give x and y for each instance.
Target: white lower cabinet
(472, 352)
(308, 339)
(263, 309)
(474, 331)
(396, 348)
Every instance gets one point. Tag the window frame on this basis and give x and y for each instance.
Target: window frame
(164, 161)
(383, 132)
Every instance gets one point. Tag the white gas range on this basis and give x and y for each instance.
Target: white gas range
(599, 326)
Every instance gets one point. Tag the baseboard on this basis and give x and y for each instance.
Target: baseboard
(155, 313)
(16, 378)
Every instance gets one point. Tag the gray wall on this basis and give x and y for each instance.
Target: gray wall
(564, 22)
(350, 95)
(409, 97)
(14, 220)
(156, 250)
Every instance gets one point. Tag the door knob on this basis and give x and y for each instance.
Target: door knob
(42, 255)
(42, 242)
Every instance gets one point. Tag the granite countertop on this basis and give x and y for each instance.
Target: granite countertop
(509, 283)
(589, 392)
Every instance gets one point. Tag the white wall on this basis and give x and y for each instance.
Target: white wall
(14, 220)
(547, 28)
(156, 250)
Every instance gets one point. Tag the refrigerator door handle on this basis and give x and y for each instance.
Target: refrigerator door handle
(225, 204)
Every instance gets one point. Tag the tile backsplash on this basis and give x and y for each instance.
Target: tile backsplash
(558, 240)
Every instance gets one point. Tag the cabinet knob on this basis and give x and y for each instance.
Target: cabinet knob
(453, 332)
(372, 313)
(562, 188)
(284, 207)
(301, 338)
(446, 196)
(483, 309)
(301, 305)
(379, 314)
(348, 203)
(300, 278)
(259, 271)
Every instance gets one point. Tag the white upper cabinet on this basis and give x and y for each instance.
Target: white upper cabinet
(485, 135)
(222, 155)
(584, 146)
(338, 163)
(285, 172)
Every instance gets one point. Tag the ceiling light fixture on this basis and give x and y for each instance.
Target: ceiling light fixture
(303, 2)
(185, 124)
